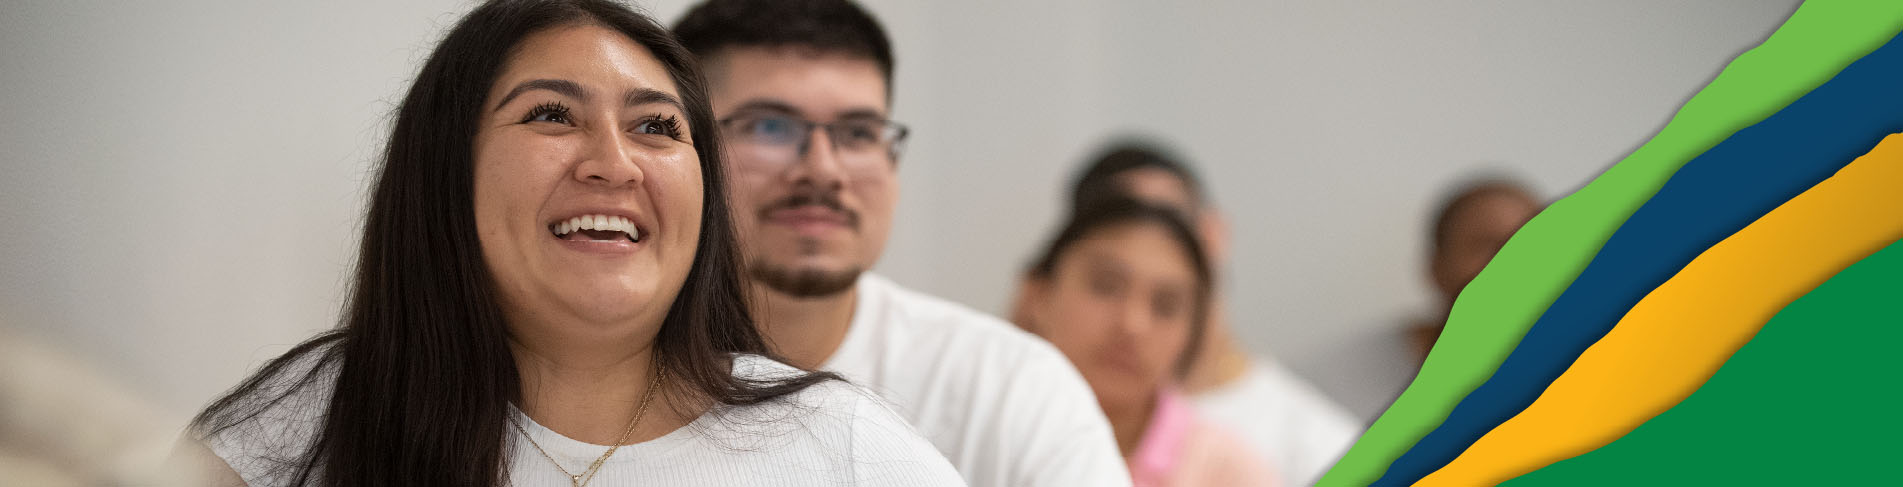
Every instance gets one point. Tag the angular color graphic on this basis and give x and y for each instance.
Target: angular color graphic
(1710, 198)
(1504, 301)
(1679, 335)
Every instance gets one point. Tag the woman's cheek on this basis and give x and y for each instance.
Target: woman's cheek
(1167, 344)
(682, 193)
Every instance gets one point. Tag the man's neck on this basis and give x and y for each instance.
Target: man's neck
(804, 331)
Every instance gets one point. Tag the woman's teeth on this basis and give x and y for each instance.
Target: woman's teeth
(599, 225)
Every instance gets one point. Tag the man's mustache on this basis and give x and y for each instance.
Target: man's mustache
(826, 199)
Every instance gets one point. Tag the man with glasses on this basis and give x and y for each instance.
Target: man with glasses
(802, 92)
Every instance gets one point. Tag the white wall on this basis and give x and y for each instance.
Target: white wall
(182, 182)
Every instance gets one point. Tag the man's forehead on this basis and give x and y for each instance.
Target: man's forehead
(803, 78)
(1497, 203)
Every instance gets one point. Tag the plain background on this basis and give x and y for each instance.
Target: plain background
(183, 180)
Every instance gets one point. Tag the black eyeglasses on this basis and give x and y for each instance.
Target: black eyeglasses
(783, 139)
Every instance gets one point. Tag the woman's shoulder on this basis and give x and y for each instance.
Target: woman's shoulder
(831, 402)
(1213, 456)
(263, 428)
(847, 421)
(834, 392)
(759, 367)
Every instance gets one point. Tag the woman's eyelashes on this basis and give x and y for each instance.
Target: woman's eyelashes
(655, 124)
(658, 124)
(549, 112)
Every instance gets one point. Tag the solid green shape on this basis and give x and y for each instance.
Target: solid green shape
(1810, 400)
(1497, 308)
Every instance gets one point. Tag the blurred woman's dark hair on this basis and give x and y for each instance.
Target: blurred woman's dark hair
(1097, 180)
(1107, 212)
(424, 373)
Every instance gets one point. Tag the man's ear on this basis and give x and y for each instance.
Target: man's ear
(1030, 292)
(1441, 276)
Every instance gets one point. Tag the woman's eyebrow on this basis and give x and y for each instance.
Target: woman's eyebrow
(559, 86)
(643, 96)
(638, 96)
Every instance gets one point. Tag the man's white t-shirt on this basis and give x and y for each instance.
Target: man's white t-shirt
(1004, 406)
(829, 434)
(1278, 414)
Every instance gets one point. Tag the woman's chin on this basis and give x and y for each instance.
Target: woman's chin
(619, 314)
(617, 305)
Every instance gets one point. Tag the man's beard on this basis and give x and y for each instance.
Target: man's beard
(805, 283)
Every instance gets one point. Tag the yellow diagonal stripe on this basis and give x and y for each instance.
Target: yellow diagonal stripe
(1672, 341)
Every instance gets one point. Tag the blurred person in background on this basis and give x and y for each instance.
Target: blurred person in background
(803, 92)
(1475, 219)
(1299, 430)
(63, 423)
(548, 294)
(1124, 291)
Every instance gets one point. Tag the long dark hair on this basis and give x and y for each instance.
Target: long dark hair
(1111, 211)
(424, 373)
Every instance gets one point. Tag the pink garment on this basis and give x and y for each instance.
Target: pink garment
(1179, 450)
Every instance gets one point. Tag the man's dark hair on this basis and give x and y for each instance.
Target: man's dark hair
(829, 26)
(1098, 181)
(1466, 194)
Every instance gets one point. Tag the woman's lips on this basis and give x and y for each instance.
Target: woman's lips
(596, 227)
(613, 246)
(1121, 363)
(600, 234)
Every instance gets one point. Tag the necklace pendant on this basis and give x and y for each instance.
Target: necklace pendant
(575, 479)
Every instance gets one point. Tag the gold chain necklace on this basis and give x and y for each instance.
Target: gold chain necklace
(582, 479)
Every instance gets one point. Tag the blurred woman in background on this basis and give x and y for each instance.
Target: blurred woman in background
(1124, 292)
(547, 295)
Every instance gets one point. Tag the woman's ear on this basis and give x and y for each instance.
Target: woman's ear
(1214, 231)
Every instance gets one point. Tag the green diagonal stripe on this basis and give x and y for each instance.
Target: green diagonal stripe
(1494, 312)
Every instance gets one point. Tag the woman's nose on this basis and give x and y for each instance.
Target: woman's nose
(609, 162)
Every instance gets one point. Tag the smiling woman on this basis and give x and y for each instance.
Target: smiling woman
(547, 294)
